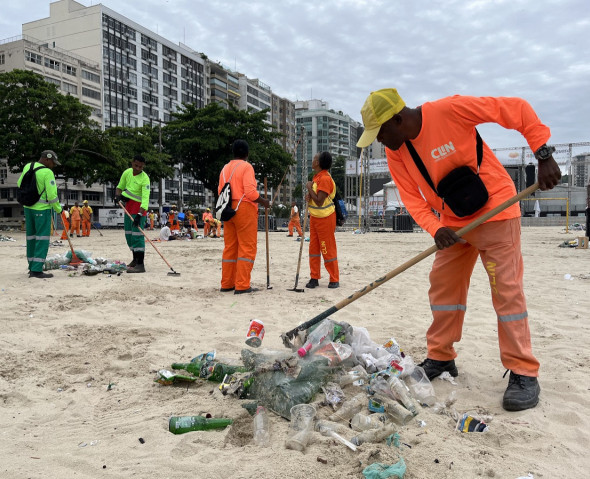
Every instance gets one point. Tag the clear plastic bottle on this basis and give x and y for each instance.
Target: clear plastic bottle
(323, 331)
(261, 429)
(374, 435)
(394, 410)
(350, 408)
(355, 375)
(362, 422)
(402, 394)
(325, 427)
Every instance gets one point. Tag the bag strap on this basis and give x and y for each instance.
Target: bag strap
(420, 164)
(230, 177)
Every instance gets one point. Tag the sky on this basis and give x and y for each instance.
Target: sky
(341, 50)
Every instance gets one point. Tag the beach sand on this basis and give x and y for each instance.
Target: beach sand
(65, 339)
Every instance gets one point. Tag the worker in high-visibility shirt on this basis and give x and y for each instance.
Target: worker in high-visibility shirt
(240, 232)
(75, 219)
(322, 222)
(38, 216)
(206, 227)
(214, 227)
(424, 146)
(294, 221)
(134, 188)
(192, 220)
(86, 218)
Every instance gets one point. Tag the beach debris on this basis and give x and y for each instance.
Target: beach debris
(568, 277)
(446, 376)
(165, 377)
(528, 476)
(183, 424)
(322, 460)
(383, 471)
(7, 238)
(468, 423)
(334, 394)
(142, 440)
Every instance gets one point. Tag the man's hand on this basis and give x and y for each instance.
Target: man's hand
(446, 237)
(137, 220)
(264, 202)
(117, 199)
(549, 174)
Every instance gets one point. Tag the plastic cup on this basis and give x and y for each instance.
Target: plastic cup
(255, 333)
(301, 427)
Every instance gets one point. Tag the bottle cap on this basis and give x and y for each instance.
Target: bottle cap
(302, 352)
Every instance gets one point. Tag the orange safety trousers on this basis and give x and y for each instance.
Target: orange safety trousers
(64, 233)
(498, 245)
(193, 224)
(75, 226)
(85, 227)
(239, 252)
(295, 223)
(322, 242)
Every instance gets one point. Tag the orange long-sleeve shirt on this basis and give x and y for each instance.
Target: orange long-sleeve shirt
(447, 141)
(243, 181)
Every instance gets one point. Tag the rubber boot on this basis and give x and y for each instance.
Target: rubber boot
(139, 267)
(133, 263)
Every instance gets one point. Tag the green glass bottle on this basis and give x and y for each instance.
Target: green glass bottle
(208, 370)
(182, 424)
(192, 367)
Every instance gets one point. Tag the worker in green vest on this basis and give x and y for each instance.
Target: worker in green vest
(38, 216)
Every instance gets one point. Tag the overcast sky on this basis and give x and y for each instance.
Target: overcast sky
(340, 50)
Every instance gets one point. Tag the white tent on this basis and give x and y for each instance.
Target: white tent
(391, 198)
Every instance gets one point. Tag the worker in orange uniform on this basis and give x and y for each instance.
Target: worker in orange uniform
(322, 222)
(192, 220)
(86, 218)
(151, 217)
(173, 219)
(241, 230)
(75, 218)
(294, 221)
(206, 215)
(214, 227)
(65, 219)
(435, 142)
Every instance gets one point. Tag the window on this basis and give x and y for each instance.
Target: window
(53, 80)
(72, 195)
(90, 76)
(168, 52)
(53, 64)
(170, 92)
(149, 56)
(167, 78)
(148, 42)
(33, 57)
(69, 88)
(69, 70)
(90, 93)
(2, 59)
(91, 196)
(168, 65)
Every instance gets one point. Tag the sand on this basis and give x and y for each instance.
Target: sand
(65, 339)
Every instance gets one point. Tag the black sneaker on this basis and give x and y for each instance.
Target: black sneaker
(313, 283)
(333, 284)
(249, 290)
(434, 368)
(522, 392)
(40, 274)
(225, 290)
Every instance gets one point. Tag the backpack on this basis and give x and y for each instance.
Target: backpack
(340, 207)
(27, 193)
(223, 209)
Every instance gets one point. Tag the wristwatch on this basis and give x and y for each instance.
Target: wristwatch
(544, 152)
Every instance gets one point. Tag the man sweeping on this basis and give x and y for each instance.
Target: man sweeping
(38, 215)
(134, 189)
(439, 162)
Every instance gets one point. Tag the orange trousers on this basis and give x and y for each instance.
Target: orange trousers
(498, 245)
(322, 242)
(64, 233)
(75, 227)
(239, 252)
(295, 224)
(85, 227)
(193, 224)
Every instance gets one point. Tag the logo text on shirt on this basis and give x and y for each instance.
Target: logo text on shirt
(441, 152)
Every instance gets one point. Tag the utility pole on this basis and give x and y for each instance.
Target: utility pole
(161, 187)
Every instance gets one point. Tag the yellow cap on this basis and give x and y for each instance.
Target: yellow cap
(85, 201)
(208, 209)
(379, 107)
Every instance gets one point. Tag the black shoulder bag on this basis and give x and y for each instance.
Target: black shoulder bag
(461, 190)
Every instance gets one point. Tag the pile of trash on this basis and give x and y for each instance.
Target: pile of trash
(89, 265)
(6, 238)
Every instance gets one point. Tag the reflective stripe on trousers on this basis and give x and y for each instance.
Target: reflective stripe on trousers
(38, 231)
(323, 242)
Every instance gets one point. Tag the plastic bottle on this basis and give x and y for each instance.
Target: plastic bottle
(323, 331)
(402, 394)
(374, 435)
(323, 427)
(350, 408)
(357, 373)
(362, 422)
(261, 429)
(397, 413)
(182, 424)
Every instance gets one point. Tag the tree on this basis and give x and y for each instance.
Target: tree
(35, 116)
(201, 139)
(338, 172)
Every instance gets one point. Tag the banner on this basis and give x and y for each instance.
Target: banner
(376, 165)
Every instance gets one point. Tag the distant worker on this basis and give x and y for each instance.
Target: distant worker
(66, 222)
(38, 216)
(206, 215)
(294, 221)
(75, 219)
(192, 220)
(322, 222)
(173, 219)
(151, 217)
(214, 227)
(134, 188)
(86, 218)
(240, 235)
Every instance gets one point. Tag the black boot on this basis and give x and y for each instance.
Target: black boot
(522, 392)
(313, 283)
(434, 368)
(134, 261)
(139, 267)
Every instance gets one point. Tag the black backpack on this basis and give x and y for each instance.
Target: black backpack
(223, 209)
(27, 193)
(340, 208)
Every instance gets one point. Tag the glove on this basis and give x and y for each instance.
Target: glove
(137, 220)
(118, 198)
